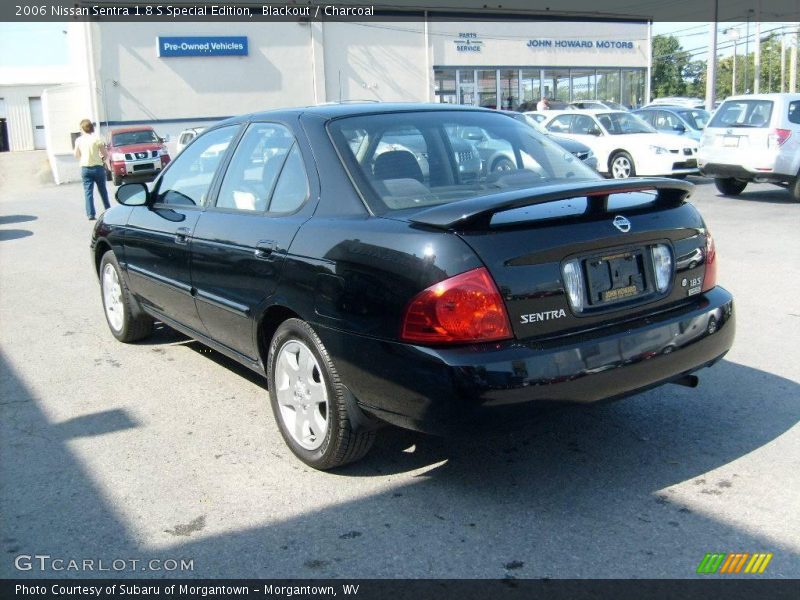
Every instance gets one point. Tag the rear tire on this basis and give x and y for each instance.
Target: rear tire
(621, 166)
(125, 320)
(309, 401)
(729, 186)
(795, 189)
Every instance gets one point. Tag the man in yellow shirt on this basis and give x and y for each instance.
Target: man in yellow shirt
(90, 150)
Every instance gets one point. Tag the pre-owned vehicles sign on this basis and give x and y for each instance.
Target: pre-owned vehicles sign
(202, 46)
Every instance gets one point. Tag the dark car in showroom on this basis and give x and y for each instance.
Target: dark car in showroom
(369, 290)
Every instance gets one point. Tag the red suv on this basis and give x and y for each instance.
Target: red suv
(136, 152)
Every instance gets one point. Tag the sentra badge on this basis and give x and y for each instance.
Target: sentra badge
(547, 315)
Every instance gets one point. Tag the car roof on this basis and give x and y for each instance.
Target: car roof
(134, 128)
(772, 96)
(668, 108)
(589, 111)
(349, 109)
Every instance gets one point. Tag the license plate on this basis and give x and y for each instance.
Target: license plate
(615, 277)
(731, 141)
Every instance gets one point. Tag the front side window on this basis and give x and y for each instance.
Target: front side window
(583, 125)
(188, 179)
(425, 158)
(743, 113)
(622, 123)
(560, 124)
(666, 121)
(697, 119)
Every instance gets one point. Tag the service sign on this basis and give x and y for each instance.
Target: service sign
(202, 46)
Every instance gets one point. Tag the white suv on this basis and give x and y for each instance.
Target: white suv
(753, 138)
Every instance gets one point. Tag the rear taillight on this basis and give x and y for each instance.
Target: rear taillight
(710, 277)
(465, 308)
(778, 137)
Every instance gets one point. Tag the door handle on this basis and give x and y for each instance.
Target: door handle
(264, 248)
(182, 235)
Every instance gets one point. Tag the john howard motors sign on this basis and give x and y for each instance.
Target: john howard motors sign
(202, 46)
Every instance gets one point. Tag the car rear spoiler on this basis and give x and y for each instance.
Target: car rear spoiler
(476, 213)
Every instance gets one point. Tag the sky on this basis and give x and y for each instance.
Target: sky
(33, 44)
(695, 36)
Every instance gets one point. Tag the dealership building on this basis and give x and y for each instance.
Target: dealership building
(175, 75)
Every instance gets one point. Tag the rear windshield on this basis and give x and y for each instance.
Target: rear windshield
(134, 137)
(743, 113)
(408, 160)
(621, 123)
(697, 119)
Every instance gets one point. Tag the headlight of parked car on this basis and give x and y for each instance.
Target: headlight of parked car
(659, 150)
(116, 156)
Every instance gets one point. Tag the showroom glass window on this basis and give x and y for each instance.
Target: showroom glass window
(531, 87)
(582, 84)
(266, 172)
(608, 84)
(188, 179)
(445, 82)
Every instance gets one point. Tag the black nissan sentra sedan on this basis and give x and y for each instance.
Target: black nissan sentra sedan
(360, 258)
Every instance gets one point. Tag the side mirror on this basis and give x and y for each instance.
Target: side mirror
(679, 127)
(162, 140)
(133, 194)
(595, 131)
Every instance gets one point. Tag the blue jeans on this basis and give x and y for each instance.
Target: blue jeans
(91, 176)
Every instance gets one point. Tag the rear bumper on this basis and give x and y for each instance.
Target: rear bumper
(741, 172)
(439, 390)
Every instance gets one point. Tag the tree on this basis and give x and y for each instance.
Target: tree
(670, 61)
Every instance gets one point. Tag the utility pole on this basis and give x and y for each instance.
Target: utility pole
(733, 34)
(757, 57)
(711, 67)
(745, 85)
(783, 61)
(793, 63)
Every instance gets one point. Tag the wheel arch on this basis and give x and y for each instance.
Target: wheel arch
(613, 154)
(101, 247)
(267, 324)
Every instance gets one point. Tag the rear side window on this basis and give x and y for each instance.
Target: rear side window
(292, 187)
(743, 113)
(794, 112)
(255, 167)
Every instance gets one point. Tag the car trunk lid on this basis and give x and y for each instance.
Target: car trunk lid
(609, 230)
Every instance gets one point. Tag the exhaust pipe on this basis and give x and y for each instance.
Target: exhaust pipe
(690, 381)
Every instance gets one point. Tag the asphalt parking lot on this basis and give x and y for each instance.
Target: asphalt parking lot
(166, 450)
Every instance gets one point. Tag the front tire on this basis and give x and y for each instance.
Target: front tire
(309, 402)
(503, 165)
(117, 180)
(621, 166)
(125, 320)
(729, 186)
